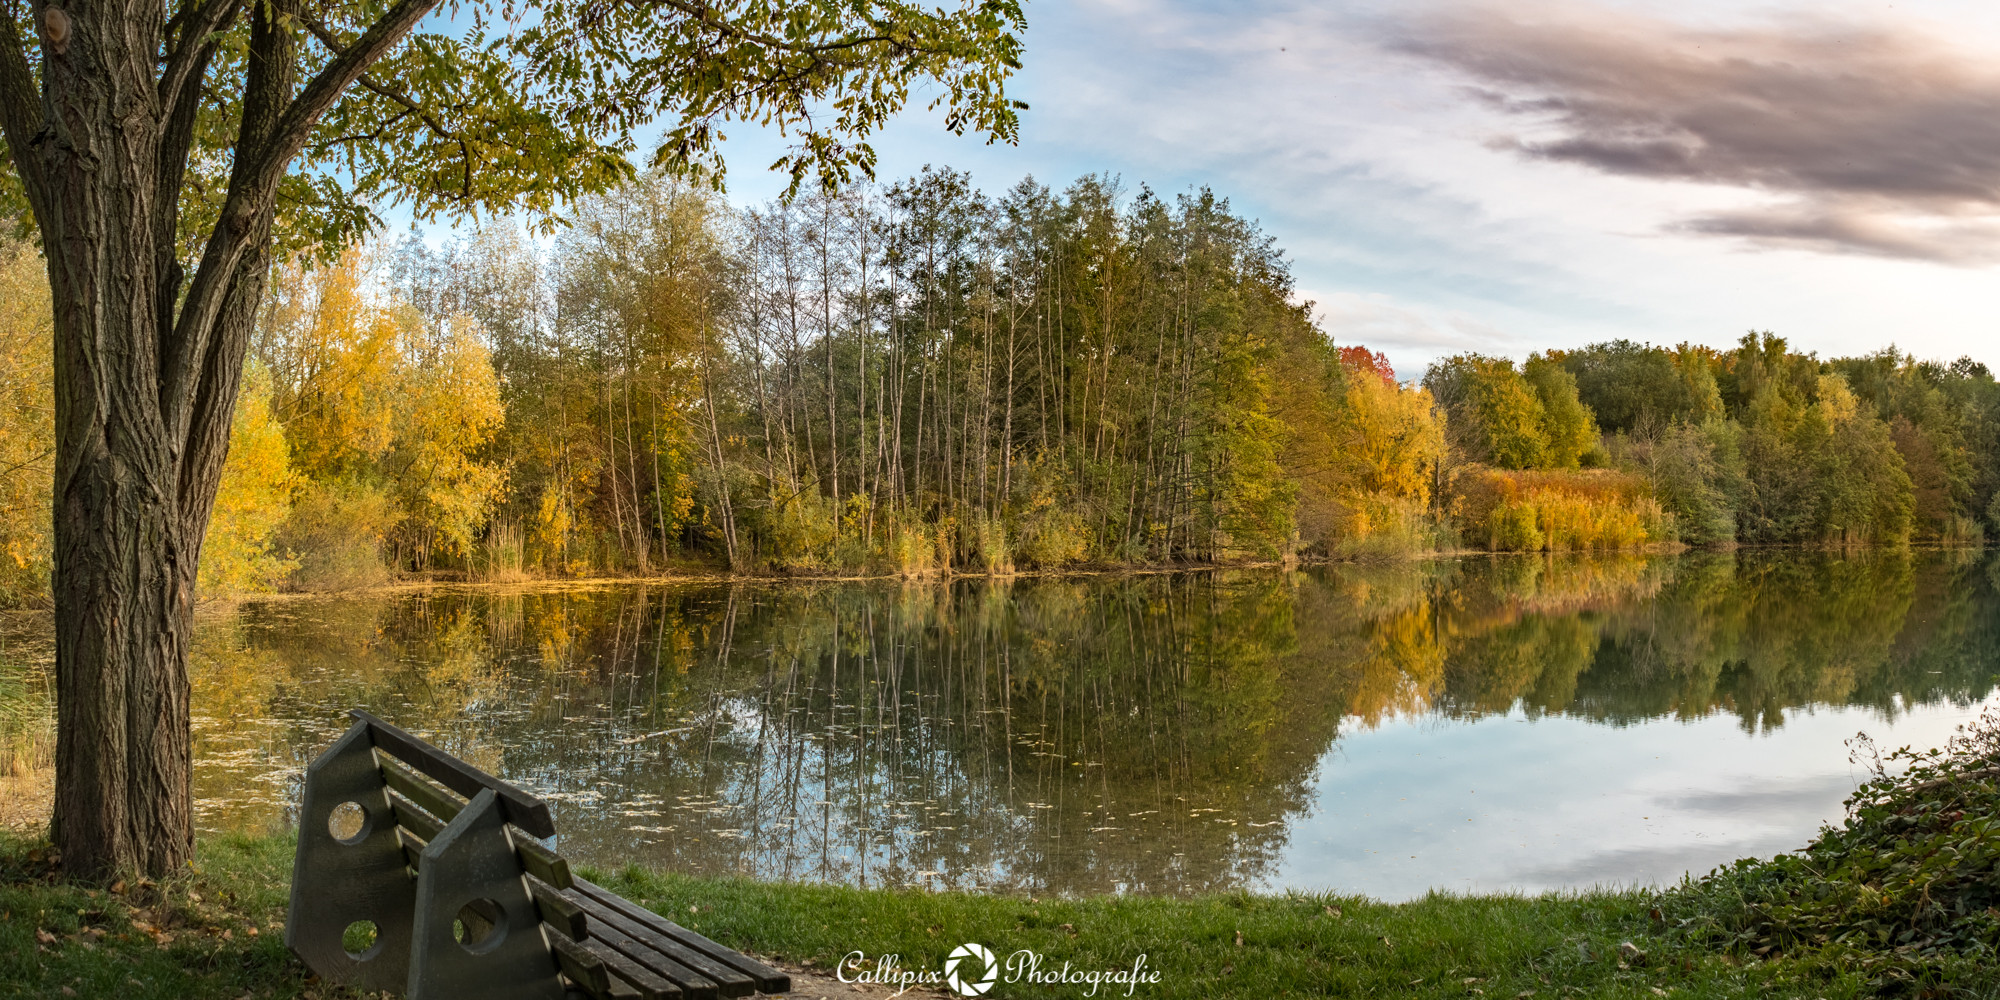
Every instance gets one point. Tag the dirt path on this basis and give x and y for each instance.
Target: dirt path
(819, 984)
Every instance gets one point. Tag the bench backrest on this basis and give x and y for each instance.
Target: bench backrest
(441, 858)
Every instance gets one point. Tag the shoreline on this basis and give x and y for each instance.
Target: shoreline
(217, 933)
(709, 576)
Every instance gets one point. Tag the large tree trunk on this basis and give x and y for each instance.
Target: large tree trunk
(146, 370)
(123, 562)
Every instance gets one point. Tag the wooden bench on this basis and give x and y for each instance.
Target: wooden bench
(444, 861)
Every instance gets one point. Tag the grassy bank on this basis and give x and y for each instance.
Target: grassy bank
(217, 933)
(1901, 900)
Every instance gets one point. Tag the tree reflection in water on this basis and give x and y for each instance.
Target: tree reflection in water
(1142, 733)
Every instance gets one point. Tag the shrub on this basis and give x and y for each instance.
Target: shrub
(1052, 537)
(1562, 510)
(913, 548)
(1903, 888)
(334, 534)
(27, 721)
(1382, 525)
(987, 538)
(1514, 526)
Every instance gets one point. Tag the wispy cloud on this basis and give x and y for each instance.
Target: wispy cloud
(1874, 139)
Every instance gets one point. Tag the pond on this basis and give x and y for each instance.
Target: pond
(1478, 724)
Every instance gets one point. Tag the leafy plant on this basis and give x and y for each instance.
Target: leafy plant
(1905, 888)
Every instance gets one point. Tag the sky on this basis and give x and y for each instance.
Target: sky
(1450, 175)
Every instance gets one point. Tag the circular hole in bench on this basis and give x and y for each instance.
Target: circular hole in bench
(480, 927)
(348, 823)
(361, 940)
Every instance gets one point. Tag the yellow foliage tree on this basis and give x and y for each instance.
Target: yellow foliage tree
(253, 501)
(448, 411)
(27, 424)
(1395, 442)
(334, 362)
(387, 417)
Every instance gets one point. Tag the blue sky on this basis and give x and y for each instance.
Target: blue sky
(1450, 176)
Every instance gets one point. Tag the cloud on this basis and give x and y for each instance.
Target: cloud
(1879, 140)
(1411, 338)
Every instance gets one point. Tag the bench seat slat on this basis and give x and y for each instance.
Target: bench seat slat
(761, 978)
(661, 974)
(584, 969)
(647, 983)
(702, 978)
(587, 972)
(523, 810)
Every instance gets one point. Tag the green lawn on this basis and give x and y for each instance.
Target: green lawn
(194, 937)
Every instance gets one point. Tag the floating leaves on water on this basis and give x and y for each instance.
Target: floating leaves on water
(648, 736)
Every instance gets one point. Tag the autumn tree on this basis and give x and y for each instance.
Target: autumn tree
(27, 433)
(166, 153)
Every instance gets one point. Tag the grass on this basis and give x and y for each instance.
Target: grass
(1249, 945)
(1899, 901)
(217, 933)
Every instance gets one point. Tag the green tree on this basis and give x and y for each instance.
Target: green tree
(1568, 426)
(177, 147)
(1494, 415)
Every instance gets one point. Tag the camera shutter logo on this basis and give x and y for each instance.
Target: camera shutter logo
(970, 970)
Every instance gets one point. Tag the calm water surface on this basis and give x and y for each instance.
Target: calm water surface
(1482, 724)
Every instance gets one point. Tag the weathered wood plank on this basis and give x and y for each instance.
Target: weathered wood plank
(699, 976)
(413, 847)
(648, 984)
(584, 969)
(558, 911)
(543, 863)
(414, 819)
(764, 979)
(521, 809)
(420, 791)
(418, 803)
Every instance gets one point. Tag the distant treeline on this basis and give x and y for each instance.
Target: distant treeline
(919, 377)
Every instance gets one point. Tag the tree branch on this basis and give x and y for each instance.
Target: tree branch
(176, 139)
(318, 96)
(266, 144)
(397, 94)
(192, 51)
(21, 110)
(245, 221)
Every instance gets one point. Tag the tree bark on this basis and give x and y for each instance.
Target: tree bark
(145, 374)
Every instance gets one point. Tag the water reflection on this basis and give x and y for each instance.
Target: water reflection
(1166, 733)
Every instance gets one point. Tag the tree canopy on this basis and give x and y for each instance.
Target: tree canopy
(515, 107)
(167, 155)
